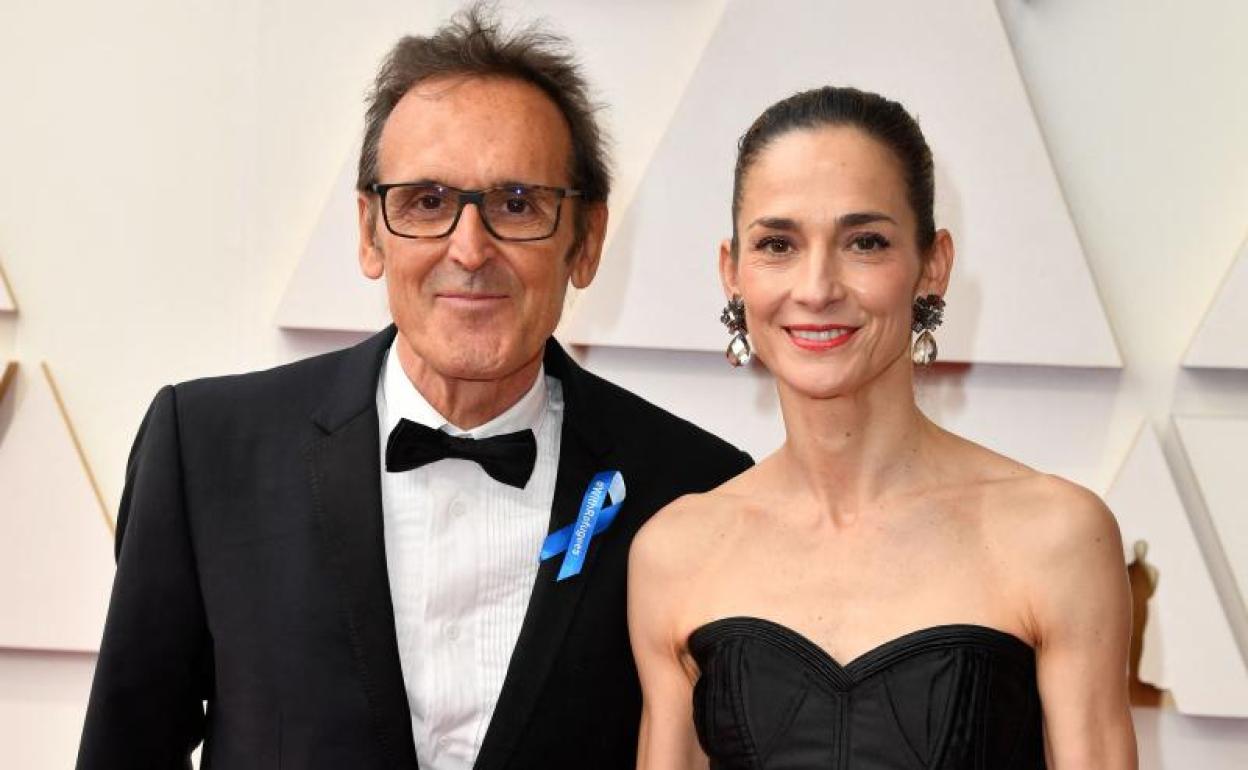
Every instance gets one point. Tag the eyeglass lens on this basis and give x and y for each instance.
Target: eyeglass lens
(429, 210)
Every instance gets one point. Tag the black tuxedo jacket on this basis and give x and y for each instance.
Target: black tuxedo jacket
(251, 575)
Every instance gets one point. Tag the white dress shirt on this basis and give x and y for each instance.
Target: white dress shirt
(462, 554)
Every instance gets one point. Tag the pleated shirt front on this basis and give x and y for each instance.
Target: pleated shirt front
(462, 555)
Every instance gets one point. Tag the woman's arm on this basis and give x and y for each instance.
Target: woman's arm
(1081, 607)
(667, 740)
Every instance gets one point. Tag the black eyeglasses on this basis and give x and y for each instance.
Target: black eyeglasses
(514, 212)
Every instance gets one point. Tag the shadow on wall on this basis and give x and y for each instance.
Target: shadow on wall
(7, 404)
(1210, 392)
(964, 295)
(302, 343)
(1059, 417)
(940, 388)
(1143, 578)
(615, 270)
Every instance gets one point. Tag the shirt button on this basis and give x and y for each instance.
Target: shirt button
(452, 633)
(442, 743)
(458, 508)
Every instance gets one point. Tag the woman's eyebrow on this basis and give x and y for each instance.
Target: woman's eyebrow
(852, 219)
(774, 223)
(857, 218)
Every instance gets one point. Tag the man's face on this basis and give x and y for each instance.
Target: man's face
(468, 305)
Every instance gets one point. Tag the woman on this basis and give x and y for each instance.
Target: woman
(879, 593)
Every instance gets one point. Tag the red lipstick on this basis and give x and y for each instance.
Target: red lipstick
(818, 337)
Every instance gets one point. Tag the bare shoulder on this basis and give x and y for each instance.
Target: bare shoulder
(666, 558)
(656, 548)
(1063, 519)
(671, 543)
(1058, 535)
(1046, 514)
(1041, 519)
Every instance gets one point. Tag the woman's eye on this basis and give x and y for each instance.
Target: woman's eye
(868, 242)
(774, 245)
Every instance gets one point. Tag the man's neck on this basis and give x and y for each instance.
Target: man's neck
(466, 404)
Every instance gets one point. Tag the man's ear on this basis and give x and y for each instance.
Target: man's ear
(584, 265)
(728, 269)
(372, 263)
(937, 266)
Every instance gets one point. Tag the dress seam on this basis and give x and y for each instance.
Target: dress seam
(739, 712)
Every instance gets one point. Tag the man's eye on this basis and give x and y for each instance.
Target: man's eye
(517, 206)
(429, 202)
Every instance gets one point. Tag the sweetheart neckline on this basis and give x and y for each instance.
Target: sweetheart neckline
(866, 663)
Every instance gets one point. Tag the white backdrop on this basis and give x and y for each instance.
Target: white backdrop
(164, 165)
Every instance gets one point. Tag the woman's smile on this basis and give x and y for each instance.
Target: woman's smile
(820, 336)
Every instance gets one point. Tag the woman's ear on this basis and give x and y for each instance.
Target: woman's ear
(728, 269)
(937, 265)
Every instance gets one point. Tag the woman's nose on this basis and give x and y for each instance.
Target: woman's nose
(818, 282)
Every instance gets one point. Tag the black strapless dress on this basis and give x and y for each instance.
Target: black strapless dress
(957, 697)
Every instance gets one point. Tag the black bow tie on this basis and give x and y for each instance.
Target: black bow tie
(508, 458)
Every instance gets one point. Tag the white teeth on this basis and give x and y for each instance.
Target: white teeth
(819, 336)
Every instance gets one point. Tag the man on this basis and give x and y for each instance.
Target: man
(340, 556)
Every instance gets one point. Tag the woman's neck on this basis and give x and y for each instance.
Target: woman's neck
(847, 453)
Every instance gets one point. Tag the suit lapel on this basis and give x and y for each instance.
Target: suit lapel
(585, 449)
(346, 483)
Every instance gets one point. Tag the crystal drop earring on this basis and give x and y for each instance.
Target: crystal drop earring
(738, 352)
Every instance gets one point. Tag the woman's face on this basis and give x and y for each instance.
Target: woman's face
(827, 263)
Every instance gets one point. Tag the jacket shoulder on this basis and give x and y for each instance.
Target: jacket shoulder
(297, 384)
(326, 389)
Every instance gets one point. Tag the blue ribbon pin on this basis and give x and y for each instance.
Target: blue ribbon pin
(594, 517)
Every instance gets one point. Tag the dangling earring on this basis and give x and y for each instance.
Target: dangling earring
(929, 311)
(738, 352)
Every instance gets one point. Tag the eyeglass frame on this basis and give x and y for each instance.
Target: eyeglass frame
(477, 197)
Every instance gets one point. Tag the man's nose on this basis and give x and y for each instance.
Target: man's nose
(470, 244)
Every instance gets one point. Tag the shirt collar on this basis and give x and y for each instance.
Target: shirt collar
(401, 399)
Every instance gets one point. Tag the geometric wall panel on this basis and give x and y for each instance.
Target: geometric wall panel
(56, 545)
(327, 290)
(1021, 292)
(7, 303)
(1216, 449)
(1189, 647)
(1219, 342)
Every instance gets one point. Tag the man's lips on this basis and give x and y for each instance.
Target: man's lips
(471, 298)
(820, 336)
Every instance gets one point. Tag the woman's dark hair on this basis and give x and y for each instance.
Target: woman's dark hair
(882, 119)
(471, 43)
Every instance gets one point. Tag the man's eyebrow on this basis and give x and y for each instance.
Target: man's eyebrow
(514, 183)
(424, 181)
